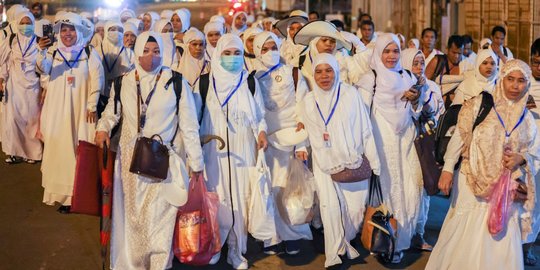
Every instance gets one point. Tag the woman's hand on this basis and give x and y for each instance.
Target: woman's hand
(445, 182)
(262, 142)
(299, 126)
(44, 43)
(91, 117)
(512, 161)
(302, 155)
(411, 95)
(102, 137)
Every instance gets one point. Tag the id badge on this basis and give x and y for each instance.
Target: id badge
(326, 139)
(70, 80)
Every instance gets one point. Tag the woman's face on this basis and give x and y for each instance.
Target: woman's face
(514, 85)
(418, 65)
(326, 45)
(269, 46)
(249, 44)
(213, 37)
(147, 22)
(68, 35)
(231, 51)
(176, 23)
(487, 67)
(294, 28)
(240, 21)
(390, 55)
(411, 44)
(151, 48)
(25, 21)
(324, 76)
(196, 48)
(129, 39)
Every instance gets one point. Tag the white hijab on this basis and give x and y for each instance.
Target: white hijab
(184, 18)
(169, 48)
(212, 27)
(258, 43)
(147, 79)
(191, 67)
(111, 51)
(252, 31)
(312, 53)
(127, 13)
(474, 85)
(226, 80)
(391, 85)
(70, 53)
(326, 99)
(27, 44)
(235, 30)
(154, 17)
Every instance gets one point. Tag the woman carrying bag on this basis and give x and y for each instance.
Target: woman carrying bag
(143, 214)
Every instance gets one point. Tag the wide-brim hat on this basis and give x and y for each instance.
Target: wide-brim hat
(285, 139)
(283, 24)
(316, 29)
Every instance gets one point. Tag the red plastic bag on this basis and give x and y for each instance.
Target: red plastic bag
(196, 233)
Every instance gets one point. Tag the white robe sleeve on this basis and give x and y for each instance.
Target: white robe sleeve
(109, 118)
(453, 152)
(301, 92)
(188, 125)
(370, 149)
(260, 110)
(44, 62)
(97, 80)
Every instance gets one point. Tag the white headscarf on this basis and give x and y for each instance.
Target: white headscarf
(111, 51)
(483, 42)
(312, 53)
(25, 42)
(191, 67)
(391, 85)
(252, 31)
(91, 29)
(416, 43)
(168, 49)
(184, 18)
(107, 40)
(235, 30)
(166, 14)
(130, 27)
(147, 78)
(127, 13)
(212, 27)
(474, 85)
(10, 16)
(75, 20)
(258, 44)
(356, 42)
(138, 23)
(326, 99)
(86, 15)
(154, 17)
(407, 57)
(225, 79)
(218, 19)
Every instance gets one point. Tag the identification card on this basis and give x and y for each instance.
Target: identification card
(70, 80)
(326, 139)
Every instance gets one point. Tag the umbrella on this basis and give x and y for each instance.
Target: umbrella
(106, 200)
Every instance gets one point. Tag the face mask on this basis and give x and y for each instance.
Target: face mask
(232, 63)
(270, 58)
(115, 36)
(149, 62)
(26, 29)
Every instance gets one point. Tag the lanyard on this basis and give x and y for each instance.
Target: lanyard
(231, 93)
(270, 70)
(200, 73)
(504, 126)
(148, 98)
(74, 61)
(332, 111)
(207, 54)
(109, 69)
(27, 48)
(310, 59)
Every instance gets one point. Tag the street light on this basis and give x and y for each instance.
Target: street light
(113, 3)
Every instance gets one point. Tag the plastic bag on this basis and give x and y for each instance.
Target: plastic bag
(196, 233)
(500, 202)
(261, 223)
(298, 194)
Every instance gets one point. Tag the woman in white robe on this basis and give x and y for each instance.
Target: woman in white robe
(130, 37)
(213, 32)
(282, 100)
(239, 23)
(180, 23)
(99, 34)
(115, 58)
(465, 241)
(149, 19)
(21, 92)
(69, 110)
(340, 133)
(249, 56)
(485, 76)
(142, 236)
(165, 29)
(432, 108)
(233, 113)
(192, 63)
(290, 51)
(393, 106)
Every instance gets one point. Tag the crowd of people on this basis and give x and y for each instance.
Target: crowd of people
(358, 96)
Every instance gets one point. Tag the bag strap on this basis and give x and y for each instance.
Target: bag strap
(177, 82)
(204, 83)
(301, 61)
(251, 82)
(505, 51)
(11, 38)
(485, 108)
(375, 190)
(117, 82)
(295, 77)
(374, 89)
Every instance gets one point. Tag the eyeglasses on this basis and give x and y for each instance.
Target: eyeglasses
(535, 63)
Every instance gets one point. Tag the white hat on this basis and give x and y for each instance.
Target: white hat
(74, 19)
(296, 16)
(285, 139)
(321, 29)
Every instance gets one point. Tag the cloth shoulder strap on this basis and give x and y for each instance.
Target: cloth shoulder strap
(204, 83)
(505, 51)
(251, 82)
(11, 38)
(301, 61)
(176, 80)
(180, 50)
(441, 64)
(374, 89)
(485, 108)
(295, 77)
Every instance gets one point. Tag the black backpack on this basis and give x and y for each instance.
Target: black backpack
(450, 118)
(204, 83)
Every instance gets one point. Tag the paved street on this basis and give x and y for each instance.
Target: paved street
(35, 236)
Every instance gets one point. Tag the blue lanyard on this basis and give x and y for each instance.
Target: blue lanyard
(74, 61)
(502, 122)
(310, 59)
(429, 99)
(210, 57)
(270, 70)
(27, 48)
(200, 73)
(105, 58)
(231, 93)
(332, 111)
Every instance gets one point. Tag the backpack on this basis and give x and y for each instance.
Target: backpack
(449, 120)
(176, 80)
(204, 84)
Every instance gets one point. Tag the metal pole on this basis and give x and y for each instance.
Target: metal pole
(307, 6)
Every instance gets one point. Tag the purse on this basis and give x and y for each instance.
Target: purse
(379, 232)
(425, 148)
(150, 156)
(354, 175)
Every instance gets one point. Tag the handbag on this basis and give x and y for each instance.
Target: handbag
(150, 157)
(425, 148)
(86, 197)
(354, 175)
(379, 232)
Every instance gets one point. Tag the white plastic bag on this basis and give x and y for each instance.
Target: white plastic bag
(261, 224)
(298, 195)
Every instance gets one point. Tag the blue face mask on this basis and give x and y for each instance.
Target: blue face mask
(26, 29)
(232, 63)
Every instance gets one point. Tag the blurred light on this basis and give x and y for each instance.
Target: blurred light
(237, 5)
(231, 12)
(113, 3)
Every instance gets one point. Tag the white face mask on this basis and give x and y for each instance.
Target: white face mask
(270, 59)
(115, 36)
